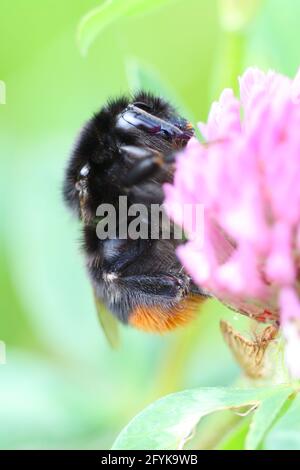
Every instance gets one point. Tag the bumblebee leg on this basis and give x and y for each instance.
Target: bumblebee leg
(143, 170)
(146, 163)
(164, 303)
(169, 285)
(172, 286)
(155, 303)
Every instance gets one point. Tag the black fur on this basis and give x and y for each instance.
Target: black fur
(147, 272)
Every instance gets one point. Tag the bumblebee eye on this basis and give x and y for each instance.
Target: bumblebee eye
(134, 116)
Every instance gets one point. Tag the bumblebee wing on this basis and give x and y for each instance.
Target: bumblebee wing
(108, 323)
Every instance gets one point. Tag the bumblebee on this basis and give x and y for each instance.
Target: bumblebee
(127, 149)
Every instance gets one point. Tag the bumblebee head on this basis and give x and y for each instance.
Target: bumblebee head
(93, 173)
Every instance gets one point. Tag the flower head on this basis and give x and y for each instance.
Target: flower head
(247, 176)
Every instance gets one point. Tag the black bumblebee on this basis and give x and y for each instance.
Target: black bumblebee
(127, 149)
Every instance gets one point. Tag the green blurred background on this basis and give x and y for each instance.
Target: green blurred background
(62, 386)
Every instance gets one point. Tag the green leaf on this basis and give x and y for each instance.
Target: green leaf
(167, 423)
(236, 437)
(142, 76)
(285, 434)
(94, 22)
(265, 416)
